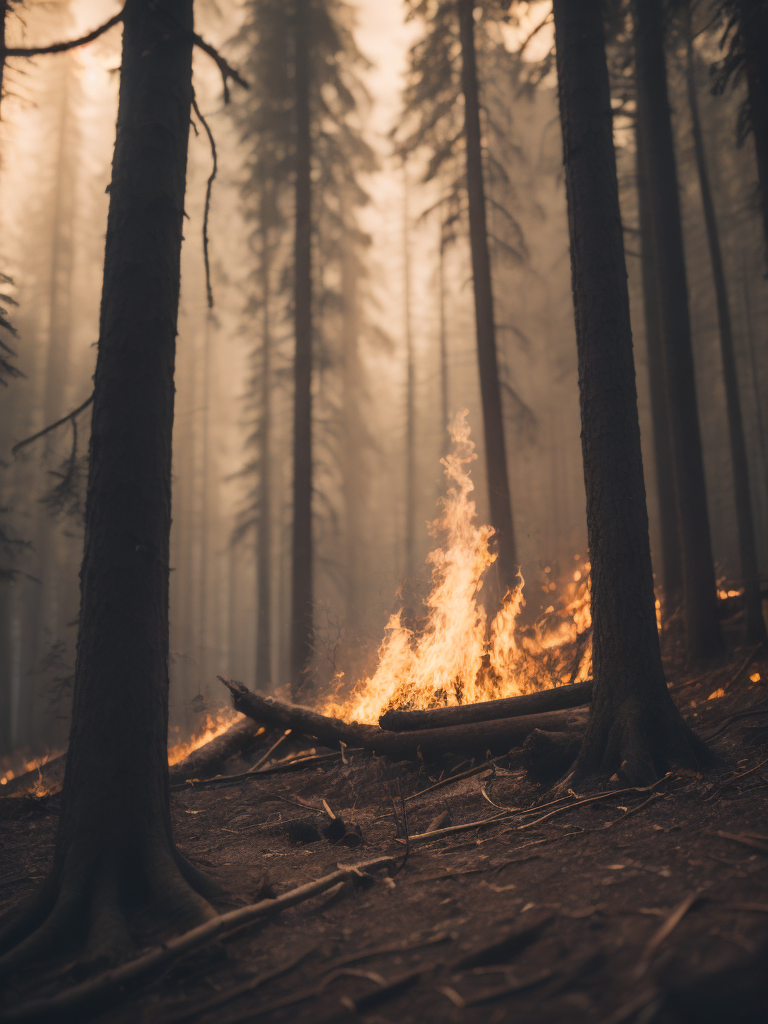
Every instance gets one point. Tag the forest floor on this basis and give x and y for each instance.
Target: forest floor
(585, 916)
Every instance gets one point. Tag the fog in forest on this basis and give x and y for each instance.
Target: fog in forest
(394, 344)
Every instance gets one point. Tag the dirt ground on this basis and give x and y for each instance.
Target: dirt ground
(592, 914)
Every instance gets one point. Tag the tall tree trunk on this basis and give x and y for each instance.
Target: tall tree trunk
(750, 572)
(672, 576)
(634, 728)
(490, 391)
(753, 18)
(355, 478)
(301, 589)
(264, 524)
(755, 377)
(114, 845)
(699, 593)
(443, 340)
(410, 393)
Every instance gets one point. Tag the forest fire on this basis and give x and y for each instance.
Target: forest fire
(212, 727)
(454, 658)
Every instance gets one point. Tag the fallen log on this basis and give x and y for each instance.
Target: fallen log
(558, 699)
(474, 740)
(209, 759)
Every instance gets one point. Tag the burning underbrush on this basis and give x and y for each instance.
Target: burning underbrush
(453, 655)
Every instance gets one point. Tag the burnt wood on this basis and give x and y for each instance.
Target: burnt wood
(558, 699)
(474, 740)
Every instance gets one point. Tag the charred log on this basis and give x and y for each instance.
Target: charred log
(210, 758)
(558, 699)
(474, 740)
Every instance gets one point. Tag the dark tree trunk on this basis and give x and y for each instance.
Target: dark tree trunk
(634, 728)
(410, 395)
(301, 580)
(753, 16)
(355, 437)
(699, 592)
(672, 576)
(114, 843)
(493, 421)
(264, 524)
(750, 572)
(4, 9)
(443, 340)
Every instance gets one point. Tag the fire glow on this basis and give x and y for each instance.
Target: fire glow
(212, 727)
(456, 658)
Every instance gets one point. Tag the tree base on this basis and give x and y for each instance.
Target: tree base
(547, 755)
(85, 906)
(638, 743)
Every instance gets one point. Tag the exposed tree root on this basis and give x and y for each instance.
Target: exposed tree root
(94, 992)
(639, 743)
(86, 903)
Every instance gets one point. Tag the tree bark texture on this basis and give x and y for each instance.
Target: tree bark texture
(753, 17)
(499, 498)
(301, 581)
(672, 565)
(114, 840)
(557, 699)
(264, 524)
(699, 592)
(473, 740)
(750, 571)
(410, 394)
(4, 10)
(634, 728)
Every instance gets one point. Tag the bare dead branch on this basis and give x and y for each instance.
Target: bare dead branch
(72, 44)
(113, 981)
(208, 189)
(46, 430)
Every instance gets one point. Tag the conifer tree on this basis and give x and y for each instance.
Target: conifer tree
(634, 727)
(451, 112)
(298, 125)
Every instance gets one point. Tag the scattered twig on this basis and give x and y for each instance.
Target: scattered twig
(632, 1007)
(265, 757)
(509, 990)
(393, 947)
(735, 718)
(208, 190)
(664, 932)
(247, 986)
(387, 990)
(652, 799)
(453, 778)
(594, 799)
(424, 837)
(285, 766)
(72, 44)
(754, 840)
(46, 430)
(115, 980)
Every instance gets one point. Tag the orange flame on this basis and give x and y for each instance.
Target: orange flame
(212, 727)
(455, 659)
